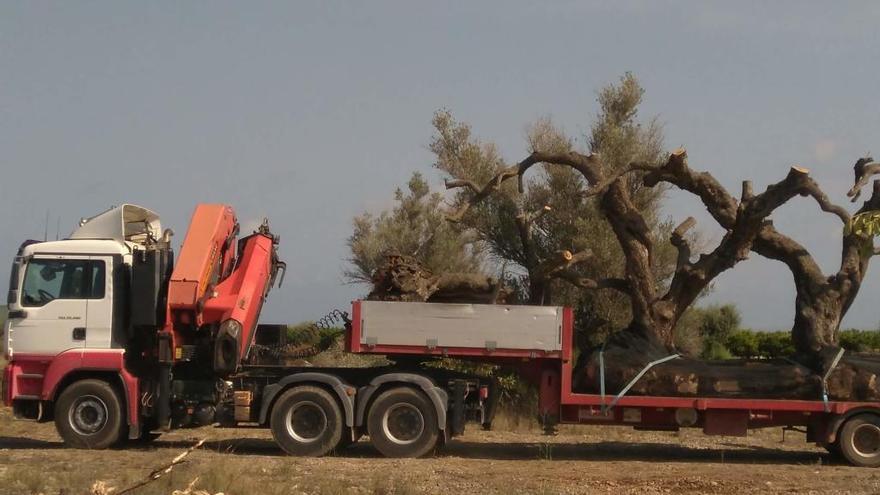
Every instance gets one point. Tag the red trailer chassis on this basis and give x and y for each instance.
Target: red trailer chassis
(558, 403)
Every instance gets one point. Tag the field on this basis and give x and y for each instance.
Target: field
(578, 460)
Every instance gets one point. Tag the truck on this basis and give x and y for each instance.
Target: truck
(115, 343)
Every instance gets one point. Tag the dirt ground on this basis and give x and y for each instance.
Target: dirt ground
(578, 460)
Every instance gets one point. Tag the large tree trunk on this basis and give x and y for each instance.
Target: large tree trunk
(624, 356)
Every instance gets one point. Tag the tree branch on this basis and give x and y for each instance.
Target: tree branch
(586, 164)
(864, 169)
(563, 260)
(524, 223)
(719, 203)
(681, 243)
(741, 235)
(618, 284)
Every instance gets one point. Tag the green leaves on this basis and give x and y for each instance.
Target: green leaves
(865, 224)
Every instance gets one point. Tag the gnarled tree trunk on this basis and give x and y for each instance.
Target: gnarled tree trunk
(821, 301)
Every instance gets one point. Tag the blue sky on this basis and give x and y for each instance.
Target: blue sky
(312, 112)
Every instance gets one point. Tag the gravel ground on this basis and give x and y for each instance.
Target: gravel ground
(578, 460)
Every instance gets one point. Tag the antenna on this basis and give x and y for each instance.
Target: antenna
(57, 227)
(46, 228)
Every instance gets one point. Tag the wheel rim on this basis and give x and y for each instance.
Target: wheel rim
(306, 422)
(88, 415)
(866, 440)
(403, 424)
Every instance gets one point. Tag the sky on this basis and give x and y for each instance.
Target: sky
(313, 112)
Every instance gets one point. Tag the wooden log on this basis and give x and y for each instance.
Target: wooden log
(403, 278)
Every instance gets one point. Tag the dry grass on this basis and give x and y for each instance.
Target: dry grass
(578, 460)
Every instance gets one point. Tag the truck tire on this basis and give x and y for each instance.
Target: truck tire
(88, 415)
(402, 422)
(859, 440)
(306, 421)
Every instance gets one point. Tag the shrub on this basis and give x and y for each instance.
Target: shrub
(744, 344)
(860, 340)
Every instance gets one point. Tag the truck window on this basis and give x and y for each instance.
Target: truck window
(46, 280)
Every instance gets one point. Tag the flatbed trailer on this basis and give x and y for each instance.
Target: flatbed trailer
(848, 428)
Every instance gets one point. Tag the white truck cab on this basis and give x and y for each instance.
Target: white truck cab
(61, 293)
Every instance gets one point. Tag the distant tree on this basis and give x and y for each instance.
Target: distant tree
(705, 331)
(744, 344)
(719, 323)
(775, 344)
(416, 226)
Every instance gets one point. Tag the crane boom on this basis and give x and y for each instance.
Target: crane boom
(218, 287)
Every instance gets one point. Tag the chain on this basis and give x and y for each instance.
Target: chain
(309, 342)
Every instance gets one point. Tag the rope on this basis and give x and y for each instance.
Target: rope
(633, 381)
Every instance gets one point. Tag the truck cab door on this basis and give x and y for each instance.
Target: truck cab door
(50, 314)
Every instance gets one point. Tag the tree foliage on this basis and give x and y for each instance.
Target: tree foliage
(705, 331)
(415, 226)
(524, 228)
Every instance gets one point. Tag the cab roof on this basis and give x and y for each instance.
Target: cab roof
(83, 247)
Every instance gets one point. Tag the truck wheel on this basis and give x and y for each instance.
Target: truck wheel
(306, 421)
(88, 415)
(402, 422)
(859, 440)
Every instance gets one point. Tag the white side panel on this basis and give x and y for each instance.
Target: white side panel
(461, 325)
(99, 318)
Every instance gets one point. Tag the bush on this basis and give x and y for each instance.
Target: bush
(715, 351)
(775, 344)
(860, 340)
(744, 344)
(309, 333)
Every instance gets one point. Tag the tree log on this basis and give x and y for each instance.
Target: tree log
(403, 278)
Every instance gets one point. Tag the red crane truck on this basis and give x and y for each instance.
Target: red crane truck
(117, 345)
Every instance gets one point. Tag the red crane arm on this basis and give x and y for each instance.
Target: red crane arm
(219, 286)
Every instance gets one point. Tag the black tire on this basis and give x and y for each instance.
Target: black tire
(89, 415)
(402, 422)
(859, 440)
(307, 421)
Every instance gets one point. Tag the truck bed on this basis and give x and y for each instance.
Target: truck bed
(381, 327)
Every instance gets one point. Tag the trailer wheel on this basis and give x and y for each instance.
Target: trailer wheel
(859, 440)
(402, 422)
(88, 415)
(306, 421)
